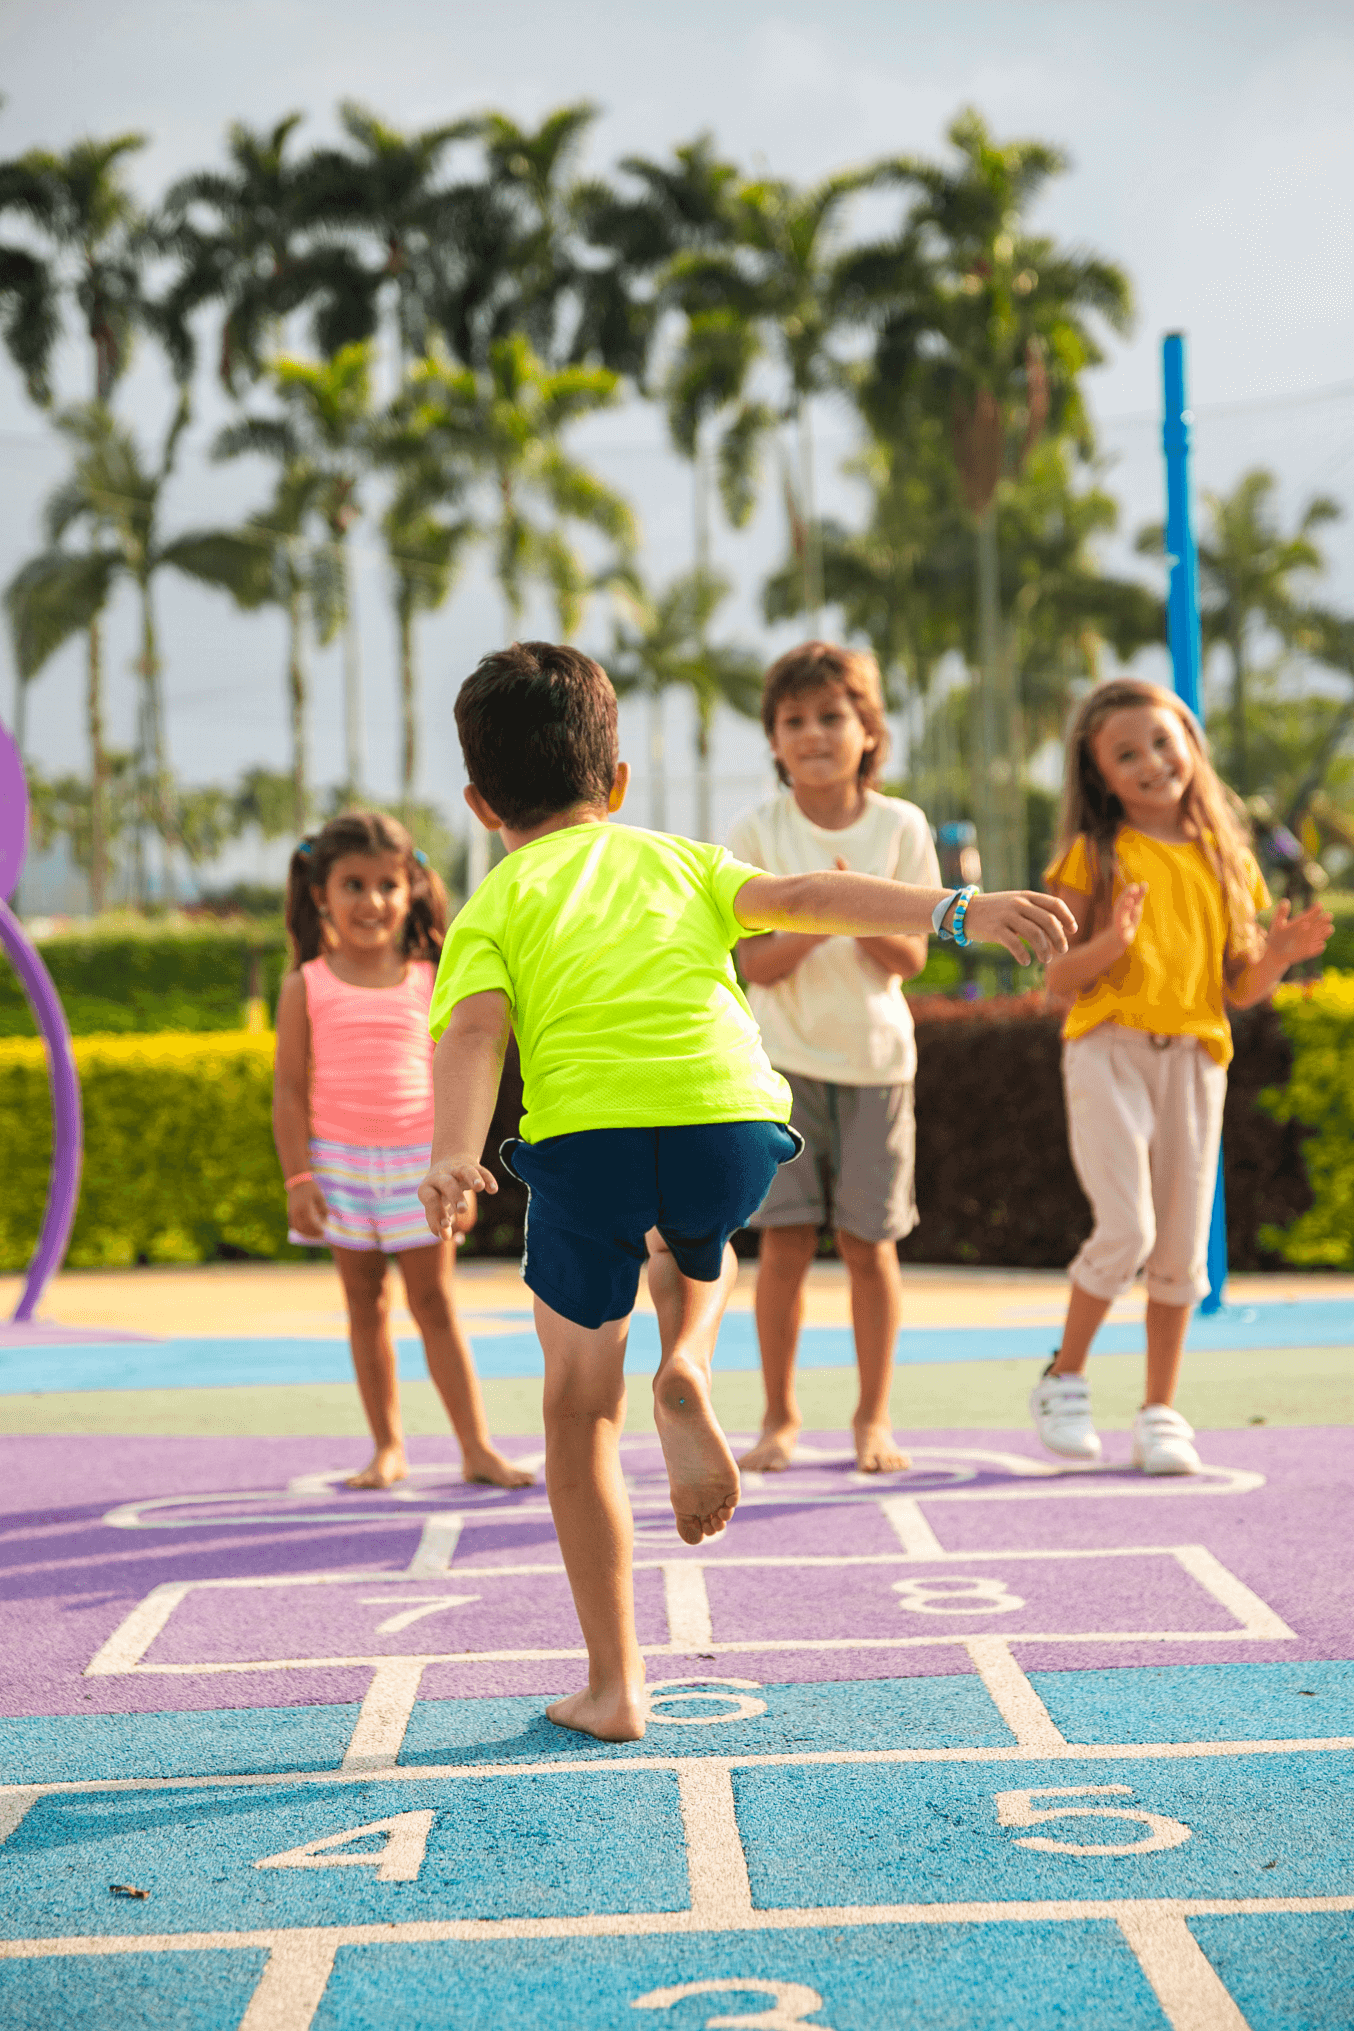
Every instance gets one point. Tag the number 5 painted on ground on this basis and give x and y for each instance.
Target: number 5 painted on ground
(792, 2003)
(1015, 1808)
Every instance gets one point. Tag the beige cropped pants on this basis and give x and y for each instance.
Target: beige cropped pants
(1144, 1117)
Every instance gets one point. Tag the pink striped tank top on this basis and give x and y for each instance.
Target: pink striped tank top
(371, 1080)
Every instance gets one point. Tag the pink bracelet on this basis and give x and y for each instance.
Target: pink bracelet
(301, 1178)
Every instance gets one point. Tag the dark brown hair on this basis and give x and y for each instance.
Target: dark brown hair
(370, 833)
(855, 671)
(537, 723)
(1090, 811)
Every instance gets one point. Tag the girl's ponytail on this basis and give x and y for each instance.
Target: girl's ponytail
(429, 910)
(305, 928)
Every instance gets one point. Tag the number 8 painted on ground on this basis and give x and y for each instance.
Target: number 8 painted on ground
(793, 2002)
(1014, 1808)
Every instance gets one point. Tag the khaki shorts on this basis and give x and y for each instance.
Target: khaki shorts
(1144, 1118)
(858, 1167)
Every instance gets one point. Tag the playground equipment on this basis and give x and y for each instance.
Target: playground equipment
(63, 1189)
(1182, 628)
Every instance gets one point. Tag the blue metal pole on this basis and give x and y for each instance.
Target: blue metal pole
(1182, 628)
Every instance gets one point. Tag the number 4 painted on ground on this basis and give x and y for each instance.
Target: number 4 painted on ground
(791, 2006)
(399, 1861)
(1015, 1808)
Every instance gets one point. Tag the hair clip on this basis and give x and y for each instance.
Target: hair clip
(304, 847)
(420, 856)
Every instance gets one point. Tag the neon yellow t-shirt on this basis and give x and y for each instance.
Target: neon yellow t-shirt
(1170, 980)
(614, 947)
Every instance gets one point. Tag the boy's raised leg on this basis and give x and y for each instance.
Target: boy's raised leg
(783, 1262)
(584, 1415)
(702, 1473)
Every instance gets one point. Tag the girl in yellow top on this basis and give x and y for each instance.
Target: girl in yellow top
(1152, 860)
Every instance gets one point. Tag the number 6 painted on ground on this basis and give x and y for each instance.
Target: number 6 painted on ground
(793, 2003)
(1014, 1808)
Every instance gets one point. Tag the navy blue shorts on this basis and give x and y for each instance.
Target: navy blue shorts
(594, 1196)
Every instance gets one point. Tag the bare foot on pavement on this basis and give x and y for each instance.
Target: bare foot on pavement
(385, 1467)
(617, 1716)
(702, 1473)
(877, 1451)
(486, 1463)
(773, 1451)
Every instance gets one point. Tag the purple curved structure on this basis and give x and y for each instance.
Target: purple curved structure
(63, 1190)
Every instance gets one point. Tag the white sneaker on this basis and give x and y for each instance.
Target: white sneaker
(1061, 1408)
(1161, 1442)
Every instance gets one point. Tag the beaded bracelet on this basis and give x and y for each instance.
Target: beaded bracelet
(301, 1178)
(955, 934)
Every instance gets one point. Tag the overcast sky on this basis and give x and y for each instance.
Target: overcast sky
(1211, 155)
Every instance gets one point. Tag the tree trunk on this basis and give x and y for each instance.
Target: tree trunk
(700, 504)
(995, 762)
(704, 799)
(408, 706)
(813, 546)
(296, 691)
(98, 772)
(1241, 761)
(20, 715)
(156, 812)
(355, 757)
(658, 787)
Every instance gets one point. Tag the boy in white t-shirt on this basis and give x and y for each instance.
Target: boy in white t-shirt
(835, 1022)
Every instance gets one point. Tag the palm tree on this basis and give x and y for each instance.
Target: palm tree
(668, 648)
(272, 561)
(325, 427)
(988, 326)
(386, 188)
(1247, 568)
(55, 595)
(250, 238)
(90, 230)
(425, 554)
(777, 279)
(507, 423)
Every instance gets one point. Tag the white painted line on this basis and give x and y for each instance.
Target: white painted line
(1013, 1696)
(1255, 1616)
(294, 1978)
(1189, 1989)
(437, 1546)
(379, 1734)
(643, 1924)
(1071, 1752)
(132, 1638)
(688, 1607)
(14, 1806)
(721, 1894)
(910, 1527)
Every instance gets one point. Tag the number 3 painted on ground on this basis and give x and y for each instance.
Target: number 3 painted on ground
(1015, 1808)
(792, 2003)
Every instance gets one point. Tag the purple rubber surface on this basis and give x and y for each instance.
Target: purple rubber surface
(69, 1578)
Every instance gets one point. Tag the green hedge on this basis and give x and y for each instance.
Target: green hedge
(179, 1158)
(180, 1167)
(146, 981)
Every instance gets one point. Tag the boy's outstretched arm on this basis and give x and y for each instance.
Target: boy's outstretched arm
(467, 1065)
(867, 906)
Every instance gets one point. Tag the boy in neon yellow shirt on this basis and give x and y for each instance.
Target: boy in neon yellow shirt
(653, 1120)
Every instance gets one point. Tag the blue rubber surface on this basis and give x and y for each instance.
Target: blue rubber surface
(1201, 1702)
(1289, 1973)
(1282, 1825)
(204, 1363)
(914, 1978)
(36, 1750)
(138, 1992)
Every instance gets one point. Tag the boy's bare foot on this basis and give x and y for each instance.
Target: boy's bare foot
(610, 1716)
(486, 1463)
(702, 1473)
(877, 1451)
(385, 1467)
(773, 1451)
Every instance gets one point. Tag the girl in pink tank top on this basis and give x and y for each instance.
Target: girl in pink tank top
(353, 1116)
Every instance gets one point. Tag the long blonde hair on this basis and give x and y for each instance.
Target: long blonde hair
(1090, 811)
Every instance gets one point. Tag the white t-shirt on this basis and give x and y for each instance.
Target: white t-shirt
(839, 1016)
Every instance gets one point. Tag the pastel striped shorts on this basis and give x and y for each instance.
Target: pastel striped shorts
(372, 1196)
